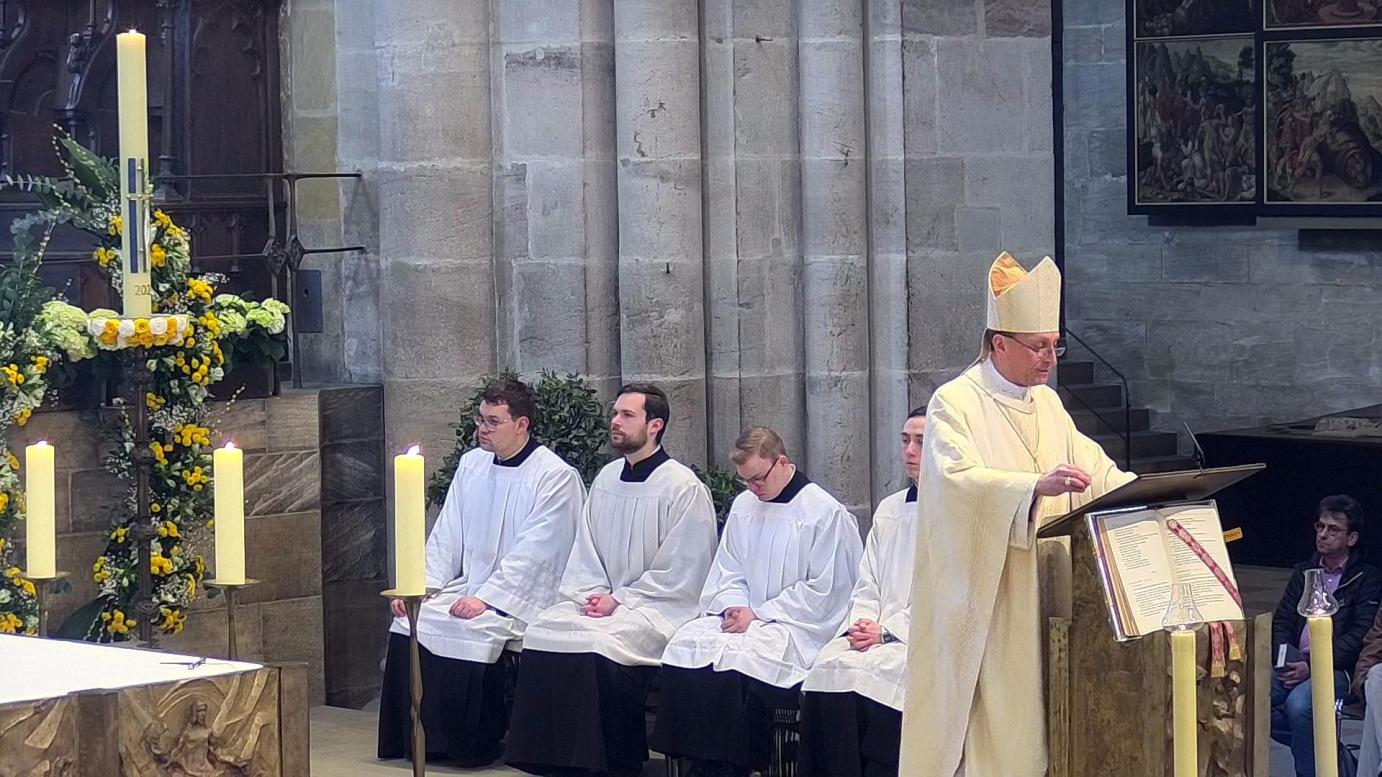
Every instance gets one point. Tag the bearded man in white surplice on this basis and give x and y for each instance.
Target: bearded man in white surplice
(495, 556)
(777, 592)
(1002, 455)
(643, 547)
(851, 711)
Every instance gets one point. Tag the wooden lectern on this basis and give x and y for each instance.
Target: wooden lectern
(1109, 702)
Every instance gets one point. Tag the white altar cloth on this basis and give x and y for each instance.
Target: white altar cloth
(35, 668)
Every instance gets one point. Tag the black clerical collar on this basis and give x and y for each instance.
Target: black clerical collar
(517, 459)
(793, 487)
(638, 473)
(912, 493)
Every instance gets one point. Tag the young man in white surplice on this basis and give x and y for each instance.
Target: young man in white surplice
(643, 548)
(851, 712)
(776, 594)
(496, 555)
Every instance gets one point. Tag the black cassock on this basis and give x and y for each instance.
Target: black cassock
(848, 735)
(722, 718)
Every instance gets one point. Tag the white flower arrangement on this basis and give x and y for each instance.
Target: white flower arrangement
(112, 333)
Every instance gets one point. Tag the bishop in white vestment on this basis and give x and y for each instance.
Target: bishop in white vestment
(643, 547)
(495, 557)
(851, 710)
(1001, 456)
(777, 592)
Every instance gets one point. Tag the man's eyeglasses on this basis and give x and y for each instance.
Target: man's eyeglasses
(757, 480)
(490, 424)
(1328, 528)
(1056, 349)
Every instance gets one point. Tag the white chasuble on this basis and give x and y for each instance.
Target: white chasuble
(793, 563)
(648, 543)
(503, 536)
(882, 594)
(974, 682)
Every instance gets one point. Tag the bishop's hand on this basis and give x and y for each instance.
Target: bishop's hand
(736, 620)
(468, 607)
(599, 606)
(1064, 479)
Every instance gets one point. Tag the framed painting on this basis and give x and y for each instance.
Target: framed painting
(1323, 127)
(1193, 117)
(1305, 14)
(1181, 18)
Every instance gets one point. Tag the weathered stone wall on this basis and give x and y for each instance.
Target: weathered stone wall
(779, 210)
(1219, 327)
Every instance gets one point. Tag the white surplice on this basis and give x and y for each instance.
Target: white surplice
(648, 544)
(882, 594)
(793, 564)
(974, 681)
(503, 536)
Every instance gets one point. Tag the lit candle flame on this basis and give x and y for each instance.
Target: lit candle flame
(230, 445)
(415, 450)
(44, 443)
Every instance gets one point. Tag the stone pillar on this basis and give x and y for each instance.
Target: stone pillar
(752, 211)
(435, 237)
(601, 196)
(834, 163)
(886, 93)
(661, 273)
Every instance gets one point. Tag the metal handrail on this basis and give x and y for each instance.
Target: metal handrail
(1126, 434)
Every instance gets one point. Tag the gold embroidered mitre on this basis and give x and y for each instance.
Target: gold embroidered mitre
(1021, 301)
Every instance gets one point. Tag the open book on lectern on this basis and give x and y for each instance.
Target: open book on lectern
(1157, 532)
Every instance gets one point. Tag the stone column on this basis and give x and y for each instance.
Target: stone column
(601, 196)
(834, 162)
(752, 211)
(886, 90)
(435, 238)
(661, 273)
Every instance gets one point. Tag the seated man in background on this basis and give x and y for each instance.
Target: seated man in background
(495, 557)
(778, 590)
(1357, 586)
(851, 713)
(643, 547)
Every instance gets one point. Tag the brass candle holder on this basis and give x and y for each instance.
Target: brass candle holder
(41, 586)
(412, 605)
(231, 591)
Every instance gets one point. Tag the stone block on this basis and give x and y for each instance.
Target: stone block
(555, 22)
(1115, 43)
(1038, 97)
(293, 420)
(440, 320)
(656, 20)
(356, 622)
(1077, 12)
(979, 229)
(885, 81)
(283, 552)
(351, 471)
(282, 482)
(96, 497)
(1321, 354)
(1274, 262)
(1131, 263)
(832, 100)
(205, 633)
(766, 18)
(834, 219)
(768, 319)
(723, 414)
(838, 448)
(245, 421)
(1028, 217)
(945, 322)
(539, 84)
(1083, 45)
(1017, 19)
(1103, 207)
(978, 83)
(1205, 263)
(1267, 356)
(360, 330)
(549, 313)
(75, 437)
(935, 187)
(293, 632)
(1122, 342)
(919, 94)
(887, 299)
(777, 401)
(597, 100)
(355, 540)
(511, 211)
(430, 116)
(1189, 350)
(351, 413)
(660, 210)
(836, 330)
(556, 213)
(1093, 96)
(657, 105)
(826, 19)
(928, 17)
(686, 434)
(764, 97)
(312, 48)
(888, 206)
(433, 23)
(662, 330)
(885, 19)
(438, 213)
(312, 146)
(75, 555)
(1108, 152)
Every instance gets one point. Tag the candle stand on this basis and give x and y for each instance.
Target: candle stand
(412, 605)
(231, 591)
(41, 591)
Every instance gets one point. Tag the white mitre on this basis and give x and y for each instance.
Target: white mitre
(1021, 301)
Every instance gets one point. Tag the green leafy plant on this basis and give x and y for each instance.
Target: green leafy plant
(571, 420)
(724, 486)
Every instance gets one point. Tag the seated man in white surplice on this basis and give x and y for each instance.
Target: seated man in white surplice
(851, 712)
(777, 592)
(643, 548)
(496, 553)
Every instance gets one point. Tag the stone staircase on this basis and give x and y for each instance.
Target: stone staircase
(1098, 410)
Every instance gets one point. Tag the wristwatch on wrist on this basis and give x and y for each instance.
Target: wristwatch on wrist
(889, 637)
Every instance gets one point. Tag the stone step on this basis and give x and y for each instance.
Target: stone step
(1095, 395)
(1144, 444)
(1075, 373)
(1109, 420)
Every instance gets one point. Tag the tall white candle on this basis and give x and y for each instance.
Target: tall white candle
(410, 529)
(40, 519)
(228, 471)
(133, 104)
